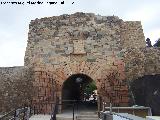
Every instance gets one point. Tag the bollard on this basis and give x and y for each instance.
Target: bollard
(104, 116)
(73, 111)
(28, 113)
(107, 116)
(16, 114)
(24, 112)
(34, 110)
(110, 108)
(103, 109)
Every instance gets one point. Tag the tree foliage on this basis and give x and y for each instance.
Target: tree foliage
(148, 42)
(157, 44)
(90, 88)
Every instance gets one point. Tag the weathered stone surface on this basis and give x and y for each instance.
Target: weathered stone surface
(146, 92)
(140, 62)
(94, 34)
(15, 88)
(107, 49)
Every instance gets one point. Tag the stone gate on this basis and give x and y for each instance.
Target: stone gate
(109, 50)
(89, 44)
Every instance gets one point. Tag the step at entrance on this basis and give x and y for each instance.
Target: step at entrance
(87, 116)
(79, 116)
(65, 117)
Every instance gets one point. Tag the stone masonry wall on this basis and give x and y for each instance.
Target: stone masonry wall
(59, 39)
(140, 62)
(44, 91)
(132, 35)
(15, 88)
(83, 43)
(109, 50)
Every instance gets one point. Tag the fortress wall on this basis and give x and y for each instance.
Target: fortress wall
(59, 39)
(109, 50)
(15, 87)
(152, 60)
(140, 62)
(76, 43)
(132, 35)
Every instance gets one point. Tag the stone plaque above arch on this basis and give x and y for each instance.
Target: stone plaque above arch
(78, 47)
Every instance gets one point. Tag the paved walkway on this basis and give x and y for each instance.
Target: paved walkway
(40, 117)
(115, 117)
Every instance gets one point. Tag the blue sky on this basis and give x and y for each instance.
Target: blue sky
(15, 19)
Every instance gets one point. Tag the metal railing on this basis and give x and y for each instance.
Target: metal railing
(22, 113)
(73, 104)
(54, 107)
(107, 114)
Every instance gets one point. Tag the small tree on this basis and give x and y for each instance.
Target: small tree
(90, 88)
(148, 42)
(157, 44)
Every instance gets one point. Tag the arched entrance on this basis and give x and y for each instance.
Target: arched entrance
(81, 90)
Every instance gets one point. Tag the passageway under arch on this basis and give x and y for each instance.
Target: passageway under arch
(81, 90)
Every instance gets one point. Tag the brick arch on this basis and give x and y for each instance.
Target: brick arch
(108, 75)
(65, 70)
(89, 79)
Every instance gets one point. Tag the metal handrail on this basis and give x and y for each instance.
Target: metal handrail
(112, 113)
(16, 113)
(53, 115)
(11, 113)
(55, 107)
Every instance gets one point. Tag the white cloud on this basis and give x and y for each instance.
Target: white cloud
(12, 48)
(15, 21)
(11, 54)
(154, 35)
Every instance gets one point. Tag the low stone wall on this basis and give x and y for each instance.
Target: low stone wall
(15, 87)
(140, 62)
(146, 92)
